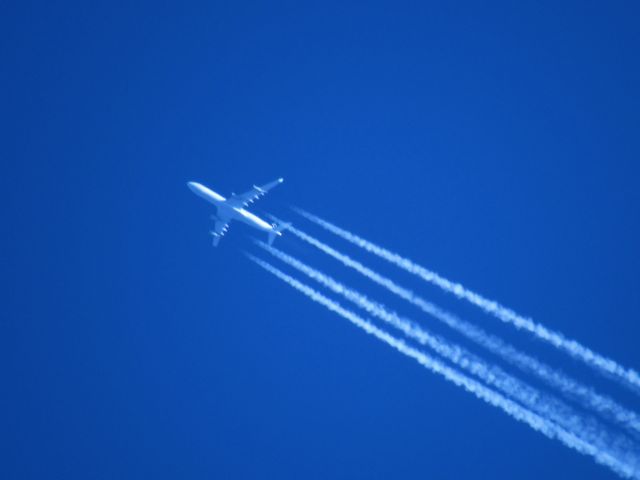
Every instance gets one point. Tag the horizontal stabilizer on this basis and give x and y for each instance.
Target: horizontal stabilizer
(277, 231)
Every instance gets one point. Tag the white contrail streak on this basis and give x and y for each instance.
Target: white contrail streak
(627, 376)
(545, 405)
(586, 395)
(547, 428)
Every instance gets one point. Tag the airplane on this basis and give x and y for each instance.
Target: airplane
(234, 208)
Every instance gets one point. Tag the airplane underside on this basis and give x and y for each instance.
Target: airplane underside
(233, 208)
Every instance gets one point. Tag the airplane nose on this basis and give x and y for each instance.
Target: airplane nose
(192, 186)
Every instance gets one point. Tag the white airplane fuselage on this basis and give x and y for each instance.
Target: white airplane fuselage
(226, 211)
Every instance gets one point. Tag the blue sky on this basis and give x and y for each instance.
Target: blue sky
(496, 144)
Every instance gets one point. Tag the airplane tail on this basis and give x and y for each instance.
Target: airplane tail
(277, 231)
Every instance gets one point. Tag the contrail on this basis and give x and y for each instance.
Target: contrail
(586, 395)
(627, 376)
(494, 376)
(547, 428)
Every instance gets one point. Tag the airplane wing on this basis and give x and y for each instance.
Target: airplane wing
(245, 199)
(219, 229)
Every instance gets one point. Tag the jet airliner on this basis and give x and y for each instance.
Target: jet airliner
(234, 208)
